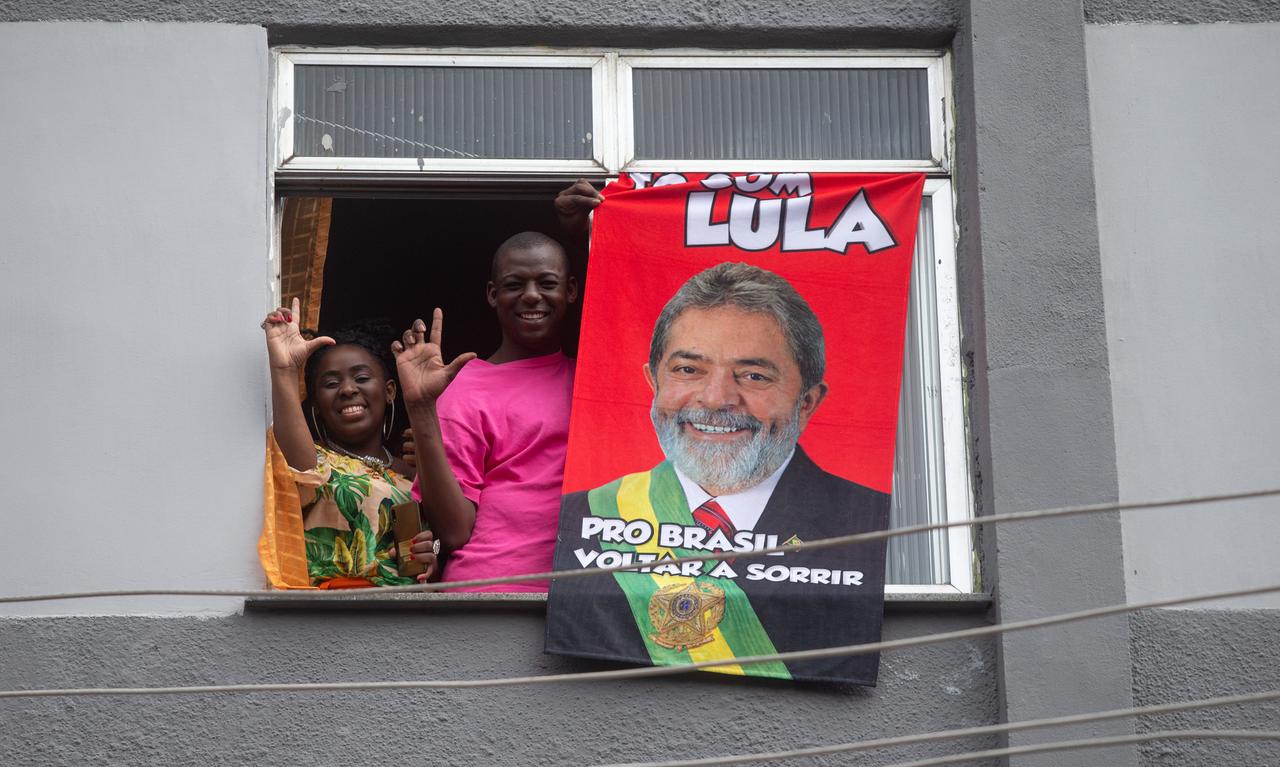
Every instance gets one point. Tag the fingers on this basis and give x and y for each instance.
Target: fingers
(412, 336)
(455, 366)
(579, 197)
(425, 549)
(437, 325)
(408, 434)
(318, 342)
(276, 317)
(431, 570)
(576, 202)
(281, 315)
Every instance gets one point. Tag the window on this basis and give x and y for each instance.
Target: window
(504, 128)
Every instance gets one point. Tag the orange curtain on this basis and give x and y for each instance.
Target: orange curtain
(282, 548)
(304, 243)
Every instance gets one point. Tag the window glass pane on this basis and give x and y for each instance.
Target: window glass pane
(442, 112)
(919, 480)
(792, 114)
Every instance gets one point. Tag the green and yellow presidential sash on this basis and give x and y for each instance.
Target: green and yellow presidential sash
(681, 619)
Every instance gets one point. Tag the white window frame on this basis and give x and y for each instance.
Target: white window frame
(612, 129)
(934, 64)
(602, 88)
(613, 154)
(958, 491)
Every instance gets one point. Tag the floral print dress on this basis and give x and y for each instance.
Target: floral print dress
(346, 517)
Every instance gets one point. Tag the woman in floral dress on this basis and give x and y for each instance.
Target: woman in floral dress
(348, 481)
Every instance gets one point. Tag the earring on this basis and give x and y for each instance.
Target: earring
(315, 423)
(390, 423)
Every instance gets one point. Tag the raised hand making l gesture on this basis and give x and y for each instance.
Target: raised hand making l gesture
(423, 378)
(420, 364)
(288, 351)
(286, 348)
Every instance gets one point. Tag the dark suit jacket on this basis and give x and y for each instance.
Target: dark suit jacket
(590, 617)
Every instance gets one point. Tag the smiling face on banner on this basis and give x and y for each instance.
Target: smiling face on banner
(771, 311)
(729, 402)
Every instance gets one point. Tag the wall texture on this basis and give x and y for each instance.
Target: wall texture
(1180, 11)
(1192, 654)
(663, 23)
(140, 198)
(584, 723)
(1186, 216)
(1183, 118)
(137, 200)
(133, 216)
(1041, 414)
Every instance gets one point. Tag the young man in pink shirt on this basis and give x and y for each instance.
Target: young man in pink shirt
(490, 435)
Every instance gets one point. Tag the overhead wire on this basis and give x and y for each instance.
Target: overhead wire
(965, 732)
(1096, 742)
(632, 673)
(651, 671)
(823, 543)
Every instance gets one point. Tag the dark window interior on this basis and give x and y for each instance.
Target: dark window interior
(398, 258)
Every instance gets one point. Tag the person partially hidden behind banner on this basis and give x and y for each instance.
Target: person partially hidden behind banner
(491, 443)
(736, 366)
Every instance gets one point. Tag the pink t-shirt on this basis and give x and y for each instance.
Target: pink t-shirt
(506, 429)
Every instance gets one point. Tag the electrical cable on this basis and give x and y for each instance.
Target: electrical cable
(824, 543)
(1075, 745)
(650, 671)
(966, 732)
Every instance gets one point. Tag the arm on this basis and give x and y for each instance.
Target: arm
(423, 378)
(287, 352)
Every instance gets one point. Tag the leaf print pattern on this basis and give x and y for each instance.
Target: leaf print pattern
(362, 499)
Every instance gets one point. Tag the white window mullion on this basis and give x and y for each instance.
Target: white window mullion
(625, 115)
(604, 137)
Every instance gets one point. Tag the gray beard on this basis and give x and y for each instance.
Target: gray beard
(729, 468)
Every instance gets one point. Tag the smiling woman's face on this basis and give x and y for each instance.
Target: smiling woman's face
(351, 394)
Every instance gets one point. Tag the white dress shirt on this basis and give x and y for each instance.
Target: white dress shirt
(744, 508)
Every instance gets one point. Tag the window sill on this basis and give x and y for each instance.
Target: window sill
(463, 602)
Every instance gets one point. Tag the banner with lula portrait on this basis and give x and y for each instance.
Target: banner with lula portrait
(737, 388)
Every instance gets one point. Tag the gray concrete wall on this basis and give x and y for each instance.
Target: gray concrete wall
(173, 194)
(1041, 404)
(134, 233)
(659, 23)
(1183, 118)
(1194, 654)
(579, 724)
(136, 243)
(1184, 124)
(1180, 11)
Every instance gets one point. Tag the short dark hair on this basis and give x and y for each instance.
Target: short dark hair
(526, 241)
(755, 290)
(372, 335)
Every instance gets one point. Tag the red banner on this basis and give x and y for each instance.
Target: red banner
(844, 241)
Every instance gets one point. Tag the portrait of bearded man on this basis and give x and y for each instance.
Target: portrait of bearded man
(736, 365)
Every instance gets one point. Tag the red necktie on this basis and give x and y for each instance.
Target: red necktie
(712, 517)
